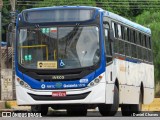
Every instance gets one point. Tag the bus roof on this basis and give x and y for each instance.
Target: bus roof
(107, 13)
(63, 7)
(128, 22)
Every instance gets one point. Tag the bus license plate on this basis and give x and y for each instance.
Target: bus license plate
(59, 94)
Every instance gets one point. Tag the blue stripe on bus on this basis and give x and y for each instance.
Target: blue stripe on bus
(128, 59)
(132, 60)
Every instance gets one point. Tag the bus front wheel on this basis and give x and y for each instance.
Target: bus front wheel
(110, 109)
(39, 109)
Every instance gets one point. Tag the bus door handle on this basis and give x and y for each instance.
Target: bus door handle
(111, 75)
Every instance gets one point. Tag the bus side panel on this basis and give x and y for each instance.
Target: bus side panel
(148, 95)
(129, 94)
(128, 80)
(110, 80)
(149, 84)
(136, 73)
(129, 86)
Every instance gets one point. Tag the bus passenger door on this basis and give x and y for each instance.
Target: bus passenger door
(109, 72)
(108, 51)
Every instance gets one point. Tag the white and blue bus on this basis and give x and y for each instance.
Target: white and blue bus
(81, 57)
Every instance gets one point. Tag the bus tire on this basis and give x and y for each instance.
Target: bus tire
(39, 109)
(77, 111)
(130, 109)
(110, 109)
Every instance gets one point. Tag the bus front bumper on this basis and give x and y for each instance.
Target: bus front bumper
(91, 95)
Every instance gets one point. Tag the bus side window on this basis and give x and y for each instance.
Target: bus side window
(123, 33)
(116, 42)
(149, 42)
(119, 31)
(149, 49)
(108, 46)
(113, 28)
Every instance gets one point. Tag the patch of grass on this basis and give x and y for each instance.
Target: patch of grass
(157, 90)
(7, 105)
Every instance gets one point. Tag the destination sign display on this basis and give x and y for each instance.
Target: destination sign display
(58, 15)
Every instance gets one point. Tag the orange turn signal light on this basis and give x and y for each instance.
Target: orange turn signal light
(100, 77)
(18, 79)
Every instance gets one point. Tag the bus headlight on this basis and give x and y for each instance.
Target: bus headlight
(91, 83)
(95, 81)
(22, 83)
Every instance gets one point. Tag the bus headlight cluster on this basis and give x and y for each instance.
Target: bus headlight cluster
(22, 83)
(95, 81)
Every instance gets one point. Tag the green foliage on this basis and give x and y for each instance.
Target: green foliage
(117, 6)
(152, 20)
(7, 105)
(66, 2)
(5, 16)
(129, 8)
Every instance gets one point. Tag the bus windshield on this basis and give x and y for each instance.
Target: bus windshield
(58, 47)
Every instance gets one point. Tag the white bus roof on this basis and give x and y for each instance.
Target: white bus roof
(128, 22)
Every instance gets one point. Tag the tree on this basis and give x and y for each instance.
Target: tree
(128, 8)
(47, 3)
(5, 18)
(26, 4)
